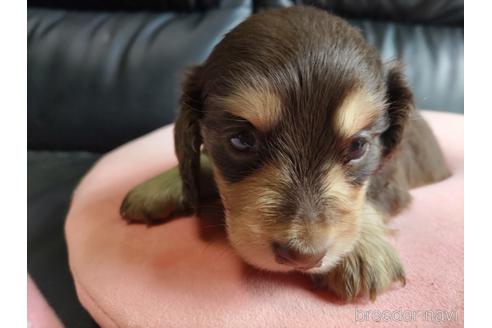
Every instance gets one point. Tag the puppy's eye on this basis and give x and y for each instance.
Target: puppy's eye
(357, 149)
(243, 141)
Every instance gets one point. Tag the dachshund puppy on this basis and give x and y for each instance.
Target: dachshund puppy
(311, 143)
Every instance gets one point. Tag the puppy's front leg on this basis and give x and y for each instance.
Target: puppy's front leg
(371, 267)
(161, 197)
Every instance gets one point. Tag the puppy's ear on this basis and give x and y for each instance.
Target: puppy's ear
(188, 139)
(400, 105)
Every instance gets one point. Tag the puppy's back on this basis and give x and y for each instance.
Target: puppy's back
(419, 161)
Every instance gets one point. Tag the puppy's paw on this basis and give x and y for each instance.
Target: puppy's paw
(155, 200)
(368, 270)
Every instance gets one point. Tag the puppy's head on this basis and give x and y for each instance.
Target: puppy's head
(296, 112)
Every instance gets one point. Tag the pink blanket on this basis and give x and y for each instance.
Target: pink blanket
(170, 276)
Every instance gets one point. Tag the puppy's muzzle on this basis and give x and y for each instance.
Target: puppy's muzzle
(287, 255)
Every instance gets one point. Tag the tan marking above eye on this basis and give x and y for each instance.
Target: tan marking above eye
(357, 112)
(261, 107)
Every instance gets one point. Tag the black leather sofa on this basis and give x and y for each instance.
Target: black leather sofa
(101, 73)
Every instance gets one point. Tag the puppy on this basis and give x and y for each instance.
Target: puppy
(311, 143)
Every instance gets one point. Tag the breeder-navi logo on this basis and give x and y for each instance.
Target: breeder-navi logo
(406, 315)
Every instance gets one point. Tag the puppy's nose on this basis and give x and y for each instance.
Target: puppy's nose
(292, 257)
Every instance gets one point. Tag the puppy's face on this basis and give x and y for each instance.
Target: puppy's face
(292, 109)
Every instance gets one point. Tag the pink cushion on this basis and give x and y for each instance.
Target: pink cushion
(39, 313)
(168, 276)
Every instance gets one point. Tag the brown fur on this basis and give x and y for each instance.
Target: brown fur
(304, 85)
